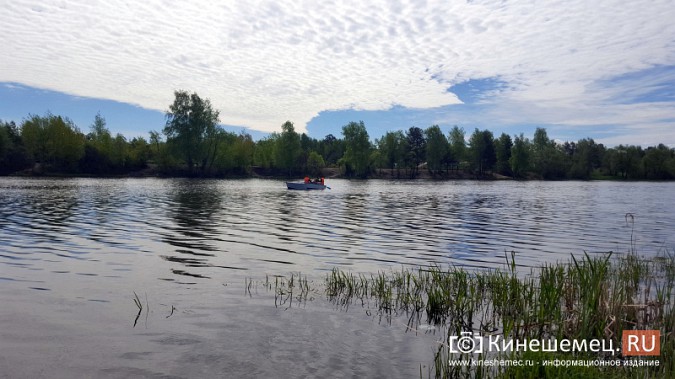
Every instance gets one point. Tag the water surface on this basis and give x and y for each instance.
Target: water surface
(74, 251)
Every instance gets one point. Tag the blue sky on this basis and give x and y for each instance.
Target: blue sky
(604, 70)
(17, 102)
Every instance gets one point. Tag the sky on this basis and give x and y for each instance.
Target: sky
(579, 68)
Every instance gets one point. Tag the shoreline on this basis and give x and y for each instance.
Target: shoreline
(328, 173)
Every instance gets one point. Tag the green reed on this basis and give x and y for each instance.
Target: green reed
(287, 289)
(590, 297)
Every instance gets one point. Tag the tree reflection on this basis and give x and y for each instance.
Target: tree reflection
(195, 208)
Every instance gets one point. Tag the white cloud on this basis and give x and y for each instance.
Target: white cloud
(264, 62)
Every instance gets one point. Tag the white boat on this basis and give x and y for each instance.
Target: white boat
(305, 186)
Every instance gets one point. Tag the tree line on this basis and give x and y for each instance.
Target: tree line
(192, 143)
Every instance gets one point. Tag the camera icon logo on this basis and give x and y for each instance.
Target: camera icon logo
(466, 343)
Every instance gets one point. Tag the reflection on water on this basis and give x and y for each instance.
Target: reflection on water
(195, 229)
(73, 251)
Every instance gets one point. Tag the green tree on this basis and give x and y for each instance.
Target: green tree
(224, 161)
(99, 133)
(53, 141)
(585, 157)
(12, 152)
(482, 150)
(392, 150)
(315, 163)
(547, 158)
(308, 144)
(503, 146)
(155, 142)
(118, 155)
(98, 150)
(457, 141)
(628, 160)
(5, 142)
(192, 127)
(331, 149)
(65, 144)
(608, 160)
(288, 149)
(656, 162)
(263, 155)
(520, 156)
(161, 154)
(541, 151)
(234, 155)
(34, 136)
(242, 153)
(416, 149)
(138, 153)
(356, 159)
(437, 148)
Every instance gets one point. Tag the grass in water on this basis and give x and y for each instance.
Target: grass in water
(139, 305)
(592, 297)
(589, 298)
(287, 290)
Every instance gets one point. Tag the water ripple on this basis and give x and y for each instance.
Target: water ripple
(201, 229)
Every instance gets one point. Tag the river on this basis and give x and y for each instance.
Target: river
(75, 253)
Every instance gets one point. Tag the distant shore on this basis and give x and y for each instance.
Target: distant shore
(152, 171)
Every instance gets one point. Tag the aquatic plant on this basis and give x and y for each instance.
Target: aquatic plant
(139, 305)
(590, 297)
(286, 289)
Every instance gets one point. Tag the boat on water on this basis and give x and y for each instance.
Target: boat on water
(305, 186)
(308, 184)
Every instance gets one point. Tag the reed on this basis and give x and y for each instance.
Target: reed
(139, 305)
(287, 289)
(590, 297)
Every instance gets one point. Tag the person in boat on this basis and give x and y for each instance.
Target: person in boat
(306, 179)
